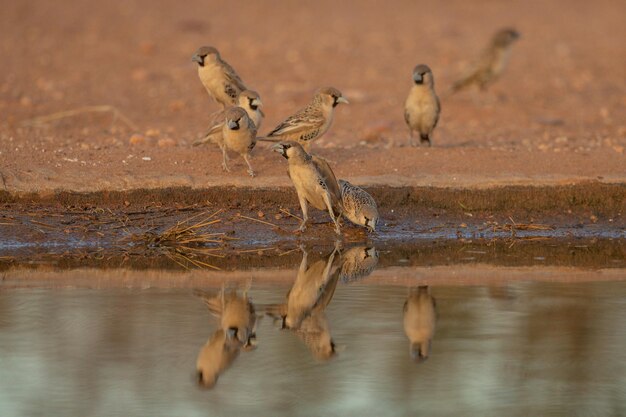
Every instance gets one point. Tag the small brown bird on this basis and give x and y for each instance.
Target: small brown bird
(358, 206)
(238, 135)
(314, 180)
(236, 314)
(220, 79)
(311, 122)
(491, 62)
(215, 357)
(248, 100)
(422, 107)
(357, 263)
(419, 322)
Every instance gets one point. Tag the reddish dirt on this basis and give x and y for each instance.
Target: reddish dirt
(558, 114)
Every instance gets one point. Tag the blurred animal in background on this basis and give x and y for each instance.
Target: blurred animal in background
(419, 322)
(422, 107)
(358, 206)
(220, 79)
(491, 62)
(311, 122)
(314, 181)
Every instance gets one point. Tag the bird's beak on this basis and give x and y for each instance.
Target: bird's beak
(418, 78)
(279, 148)
(232, 124)
(197, 58)
(342, 100)
(257, 102)
(371, 225)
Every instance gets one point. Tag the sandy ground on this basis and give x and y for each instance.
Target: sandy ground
(558, 115)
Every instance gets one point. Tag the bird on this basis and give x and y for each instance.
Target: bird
(358, 205)
(311, 122)
(236, 314)
(357, 263)
(314, 181)
(248, 100)
(217, 355)
(422, 107)
(303, 312)
(238, 135)
(419, 322)
(491, 62)
(218, 77)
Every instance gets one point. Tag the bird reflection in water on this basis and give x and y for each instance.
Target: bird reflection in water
(419, 322)
(303, 312)
(357, 263)
(237, 331)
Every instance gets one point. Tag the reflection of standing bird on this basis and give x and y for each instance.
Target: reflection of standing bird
(220, 79)
(307, 300)
(215, 357)
(236, 313)
(419, 322)
(491, 63)
(357, 263)
(314, 181)
(358, 206)
(239, 135)
(422, 108)
(311, 122)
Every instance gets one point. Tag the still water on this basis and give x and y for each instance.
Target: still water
(332, 347)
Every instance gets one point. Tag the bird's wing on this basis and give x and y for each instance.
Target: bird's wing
(305, 120)
(438, 112)
(216, 123)
(233, 79)
(212, 300)
(331, 181)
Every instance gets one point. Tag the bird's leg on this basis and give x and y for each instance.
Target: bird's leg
(250, 170)
(305, 213)
(425, 138)
(332, 215)
(411, 143)
(224, 159)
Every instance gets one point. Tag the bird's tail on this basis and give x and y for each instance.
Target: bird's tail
(203, 140)
(267, 139)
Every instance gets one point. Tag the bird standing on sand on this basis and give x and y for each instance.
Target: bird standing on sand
(358, 206)
(491, 63)
(238, 135)
(422, 108)
(248, 100)
(419, 322)
(314, 180)
(311, 122)
(220, 79)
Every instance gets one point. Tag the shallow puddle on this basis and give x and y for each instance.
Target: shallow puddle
(338, 344)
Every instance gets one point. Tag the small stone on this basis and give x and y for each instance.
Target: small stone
(618, 148)
(260, 214)
(166, 143)
(152, 133)
(137, 139)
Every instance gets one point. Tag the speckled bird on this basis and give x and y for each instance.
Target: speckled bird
(311, 122)
(358, 206)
